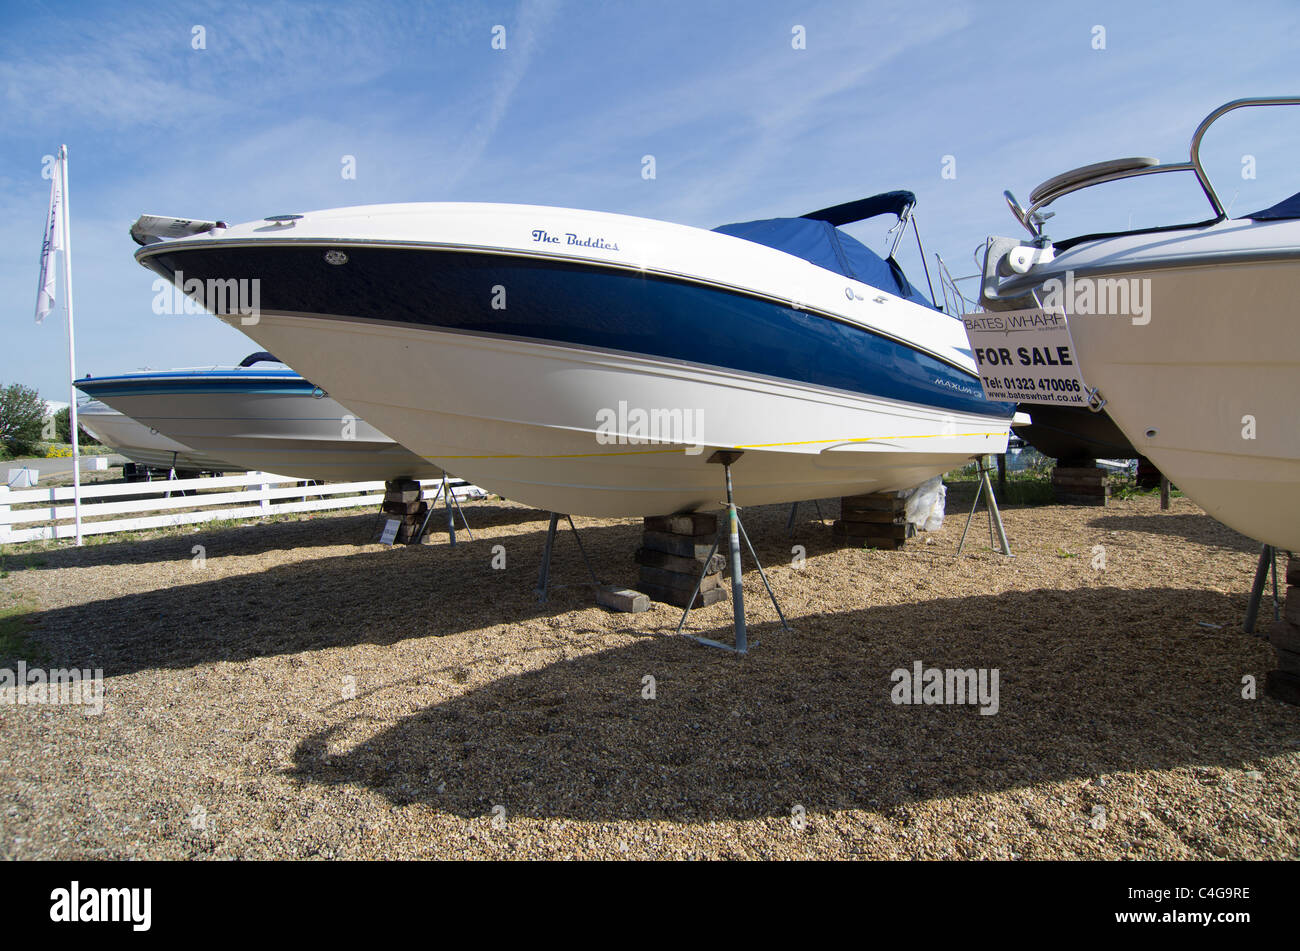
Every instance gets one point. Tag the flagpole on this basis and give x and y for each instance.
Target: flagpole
(72, 347)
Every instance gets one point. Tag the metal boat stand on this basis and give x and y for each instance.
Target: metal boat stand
(1267, 561)
(544, 585)
(995, 515)
(735, 532)
(171, 472)
(794, 511)
(449, 499)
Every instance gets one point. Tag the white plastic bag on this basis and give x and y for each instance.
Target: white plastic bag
(925, 505)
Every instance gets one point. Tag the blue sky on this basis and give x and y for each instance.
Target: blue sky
(741, 124)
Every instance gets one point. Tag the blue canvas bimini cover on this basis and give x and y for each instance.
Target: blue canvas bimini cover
(1284, 209)
(821, 243)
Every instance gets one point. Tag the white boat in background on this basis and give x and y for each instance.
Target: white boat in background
(590, 363)
(259, 418)
(142, 445)
(1206, 382)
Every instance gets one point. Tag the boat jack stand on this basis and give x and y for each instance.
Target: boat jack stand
(450, 500)
(794, 510)
(1267, 560)
(735, 532)
(1002, 546)
(544, 585)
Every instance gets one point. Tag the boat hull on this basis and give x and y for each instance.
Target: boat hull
(1074, 434)
(142, 445)
(525, 419)
(265, 426)
(1208, 390)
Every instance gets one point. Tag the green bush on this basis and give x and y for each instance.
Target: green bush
(22, 415)
(63, 429)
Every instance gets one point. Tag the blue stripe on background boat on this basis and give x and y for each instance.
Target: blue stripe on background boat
(258, 418)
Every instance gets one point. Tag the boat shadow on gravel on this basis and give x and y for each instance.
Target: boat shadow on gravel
(370, 595)
(1194, 526)
(1090, 682)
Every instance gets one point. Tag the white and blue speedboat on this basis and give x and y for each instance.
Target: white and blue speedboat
(590, 363)
(258, 418)
(143, 445)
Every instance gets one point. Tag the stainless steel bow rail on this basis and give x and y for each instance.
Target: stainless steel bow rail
(735, 532)
(1032, 218)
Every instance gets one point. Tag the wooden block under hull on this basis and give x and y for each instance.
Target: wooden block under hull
(662, 578)
(689, 566)
(685, 546)
(879, 502)
(1283, 685)
(875, 518)
(1285, 635)
(622, 599)
(695, 524)
(881, 530)
(679, 598)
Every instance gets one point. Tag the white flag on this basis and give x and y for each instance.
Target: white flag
(53, 242)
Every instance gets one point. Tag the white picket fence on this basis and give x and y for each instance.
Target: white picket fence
(252, 495)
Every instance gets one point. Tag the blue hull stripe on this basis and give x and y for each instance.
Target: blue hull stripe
(587, 306)
(183, 384)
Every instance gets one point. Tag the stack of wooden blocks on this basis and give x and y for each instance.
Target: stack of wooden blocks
(404, 501)
(874, 520)
(672, 556)
(1284, 683)
(1080, 485)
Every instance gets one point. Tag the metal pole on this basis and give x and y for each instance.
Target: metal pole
(543, 577)
(451, 517)
(1277, 611)
(72, 346)
(1257, 589)
(995, 514)
(464, 521)
(737, 587)
(979, 487)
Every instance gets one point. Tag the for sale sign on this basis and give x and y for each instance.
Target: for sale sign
(1026, 356)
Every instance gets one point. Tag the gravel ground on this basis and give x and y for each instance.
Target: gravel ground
(302, 695)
